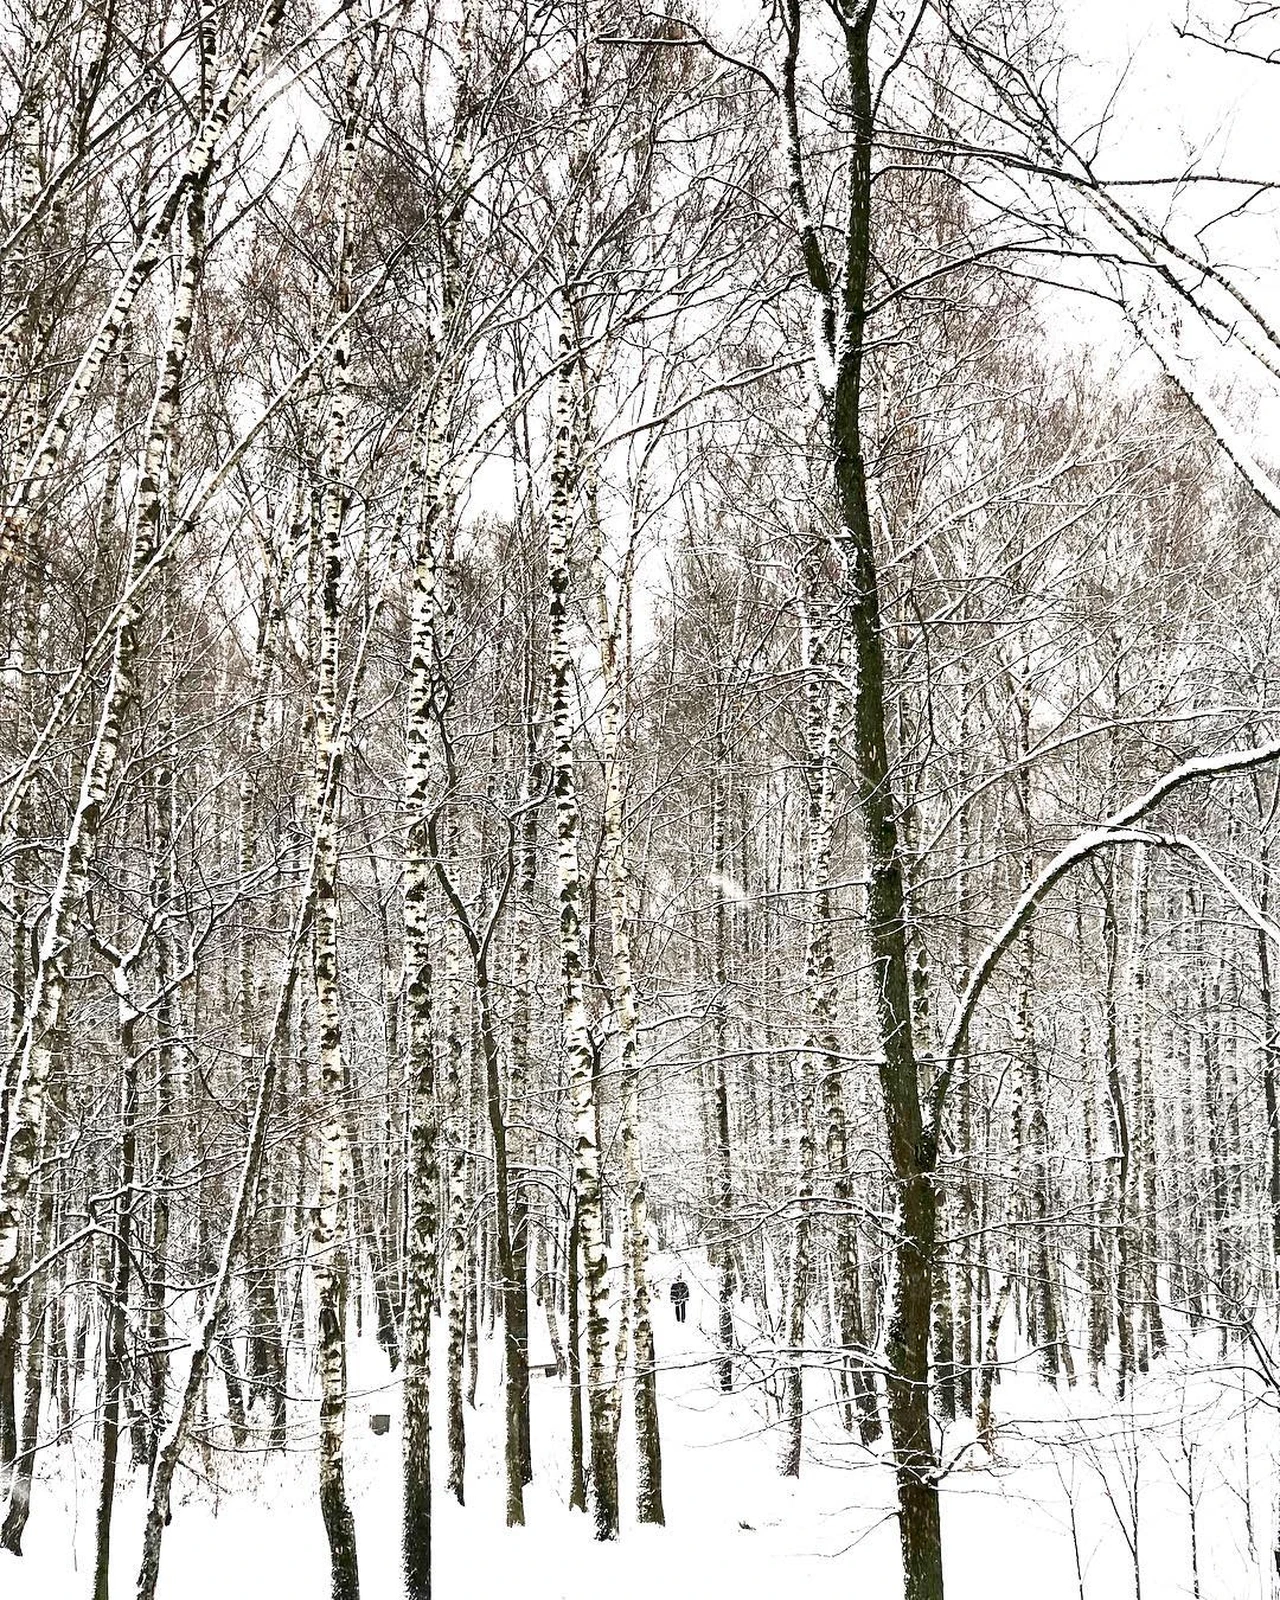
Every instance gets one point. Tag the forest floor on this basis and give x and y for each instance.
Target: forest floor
(252, 1530)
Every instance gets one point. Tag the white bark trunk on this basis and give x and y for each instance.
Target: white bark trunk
(569, 885)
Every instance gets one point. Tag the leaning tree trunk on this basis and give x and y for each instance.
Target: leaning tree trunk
(188, 187)
(192, 1382)
(32, 1057)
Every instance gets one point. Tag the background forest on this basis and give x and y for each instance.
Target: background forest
(637, 645)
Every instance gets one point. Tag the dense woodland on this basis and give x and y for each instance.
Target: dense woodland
(587, 669)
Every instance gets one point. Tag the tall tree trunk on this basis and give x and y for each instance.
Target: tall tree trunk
(577, 1454)
(800, 1272)
(426, 491)
(582, 1089)
(648, 1441)
(329, 1216)
(266, 1367)
(514, 1289)
(115, 1348)
(19, 1506)
(1043, 1299)
(1270, 1073)
(964, 1208)
(841, 332)
(422, 1176)
(1119, 1158)
(722, 1147)
(819, 1062)
(455, 1271)
(522, 982)
(38, 1302)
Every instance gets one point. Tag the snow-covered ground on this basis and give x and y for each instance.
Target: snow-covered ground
(252, 1531)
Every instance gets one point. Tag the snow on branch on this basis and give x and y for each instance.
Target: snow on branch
(1228, 436)
(1118, 828)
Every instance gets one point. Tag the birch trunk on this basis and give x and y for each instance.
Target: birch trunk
(649, 1506)
(819, 1061)
(1270, 1076)
(423, 1175)
(800, 1273)
(984, 1421)
(604, 1474)
(1043, 1306)
(152, 1395)
(32, 1057)
(19, 1506)
(188, 188)
(422, 1179)
(456, 1202)
(266, 1368)
(38, 1300)
(329, 1215)
(577, 1453)
(967, 1339)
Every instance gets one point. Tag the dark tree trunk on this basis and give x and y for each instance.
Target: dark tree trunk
(115, 1322)
(841, 332)
(9, 1309)
(1270, 1059)
(911, 1149)
(39, 1315)
(19, 1507)
(519, 1308)
(577, 1468)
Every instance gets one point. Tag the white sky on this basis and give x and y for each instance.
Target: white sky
(1176, 105)
(1181, 104)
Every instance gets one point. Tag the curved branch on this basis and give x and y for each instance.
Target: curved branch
(1118, 828)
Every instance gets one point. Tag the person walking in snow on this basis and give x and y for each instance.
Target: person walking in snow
(680, 1298)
